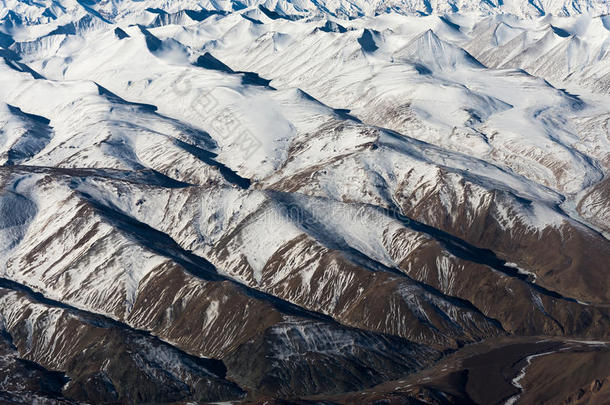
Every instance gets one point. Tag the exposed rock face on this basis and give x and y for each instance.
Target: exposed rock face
(261, 202)
(107, 361)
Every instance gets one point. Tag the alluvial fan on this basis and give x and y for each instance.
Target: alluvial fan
(305, 202)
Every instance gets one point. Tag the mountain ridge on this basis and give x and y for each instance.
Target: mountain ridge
(17, 12)
(254, 202)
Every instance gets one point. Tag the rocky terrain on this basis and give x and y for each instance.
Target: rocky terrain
(333, 202)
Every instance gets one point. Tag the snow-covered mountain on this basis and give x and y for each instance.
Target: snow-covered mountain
(117, 10)
(331, 201)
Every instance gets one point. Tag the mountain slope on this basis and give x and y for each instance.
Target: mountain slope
(269, 201)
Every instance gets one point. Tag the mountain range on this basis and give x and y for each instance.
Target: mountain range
(308, 202)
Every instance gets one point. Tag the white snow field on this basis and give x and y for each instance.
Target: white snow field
(279, 199)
